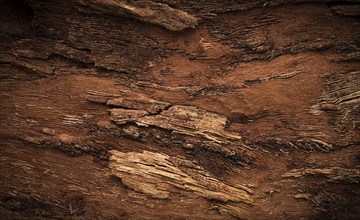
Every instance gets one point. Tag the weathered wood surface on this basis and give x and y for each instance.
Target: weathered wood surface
(163, 109)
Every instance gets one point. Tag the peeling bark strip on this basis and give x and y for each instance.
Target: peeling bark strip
(145, 111)
(147, 11)
(182, 119)
(159, 175)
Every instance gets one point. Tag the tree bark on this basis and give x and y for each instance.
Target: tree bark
(163, 109)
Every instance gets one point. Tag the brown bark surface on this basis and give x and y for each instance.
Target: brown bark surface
(164, 109)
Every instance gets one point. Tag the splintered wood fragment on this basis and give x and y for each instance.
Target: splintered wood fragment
(147, 11)
(158, 175)
(333, 174)
(147, 104)
(187, 120)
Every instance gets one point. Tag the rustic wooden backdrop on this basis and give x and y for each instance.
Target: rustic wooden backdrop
(175, 109)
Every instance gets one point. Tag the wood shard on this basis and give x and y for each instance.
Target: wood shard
(144, 111)
(333, 174)
(158, 175)
(147, 11)
(182, 119)
(149, 105)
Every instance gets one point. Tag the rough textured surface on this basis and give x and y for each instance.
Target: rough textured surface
(159, 175)
(341, 101)
(253, 103)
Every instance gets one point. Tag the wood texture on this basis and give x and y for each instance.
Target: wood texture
(163, 109)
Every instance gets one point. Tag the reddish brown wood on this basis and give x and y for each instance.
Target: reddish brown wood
(163, 109)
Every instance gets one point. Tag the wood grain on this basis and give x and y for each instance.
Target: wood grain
(163, 109)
